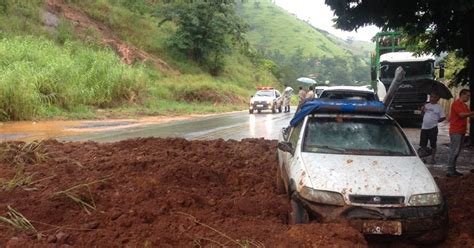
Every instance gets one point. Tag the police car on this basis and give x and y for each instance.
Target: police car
(266, 98)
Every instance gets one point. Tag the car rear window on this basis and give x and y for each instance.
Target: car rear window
(348, 95)
(380, 137)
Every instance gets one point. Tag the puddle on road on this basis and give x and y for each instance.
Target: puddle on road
(97, 124)
(32, 130)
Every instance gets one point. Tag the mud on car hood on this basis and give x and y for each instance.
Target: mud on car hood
(368, 175)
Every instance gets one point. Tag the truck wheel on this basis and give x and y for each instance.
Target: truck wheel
(251, 111)
(297, 214)
(280, 185)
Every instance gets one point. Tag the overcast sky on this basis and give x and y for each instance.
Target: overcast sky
(320, 16)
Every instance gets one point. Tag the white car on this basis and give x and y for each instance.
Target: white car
(319, 89)
(349, 92)
(266, 98)
(349, 161)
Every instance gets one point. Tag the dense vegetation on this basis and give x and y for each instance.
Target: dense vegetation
(54, 73)
(61, 71)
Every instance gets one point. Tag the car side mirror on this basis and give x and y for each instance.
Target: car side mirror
(285, 132)
(286, 147)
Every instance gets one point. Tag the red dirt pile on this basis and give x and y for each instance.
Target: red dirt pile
(158, 193)
(170, 193)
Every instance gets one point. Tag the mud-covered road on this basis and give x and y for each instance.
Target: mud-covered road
(156, 192)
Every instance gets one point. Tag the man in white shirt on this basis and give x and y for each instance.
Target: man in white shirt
(432, 114)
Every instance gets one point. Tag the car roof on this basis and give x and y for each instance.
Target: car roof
(321, 87)
(360, 116)
(333, 106)
(349, 89)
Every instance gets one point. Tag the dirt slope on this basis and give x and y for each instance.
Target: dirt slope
(173, 193)
(82, 22)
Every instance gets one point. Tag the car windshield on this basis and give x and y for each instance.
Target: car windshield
(264, 93)
(348, 95)
(355, 136)
(319, 91)
(412, 69)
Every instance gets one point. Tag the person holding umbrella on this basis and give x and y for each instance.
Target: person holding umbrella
(432, 114)
(287, 98)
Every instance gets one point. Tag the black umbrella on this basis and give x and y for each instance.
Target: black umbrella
(429, 86)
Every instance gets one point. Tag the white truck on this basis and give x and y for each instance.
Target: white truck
(408, 100)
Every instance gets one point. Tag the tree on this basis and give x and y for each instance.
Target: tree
(438, 25)
(206, 31)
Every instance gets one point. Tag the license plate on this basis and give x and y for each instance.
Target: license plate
(417, 112)
(259, 106)
(383, 227)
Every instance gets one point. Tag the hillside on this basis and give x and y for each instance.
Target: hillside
(93, 59)
(86, 59)
(273, 28)
(300, 50)
(359, 48)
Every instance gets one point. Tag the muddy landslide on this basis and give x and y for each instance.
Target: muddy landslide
(169, 193)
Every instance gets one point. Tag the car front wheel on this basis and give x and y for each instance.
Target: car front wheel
(297, 214)
(280, 185)
(435, 236)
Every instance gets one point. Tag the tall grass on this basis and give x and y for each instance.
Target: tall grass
(36, 74)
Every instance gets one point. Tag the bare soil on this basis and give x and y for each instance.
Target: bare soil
(173, 193)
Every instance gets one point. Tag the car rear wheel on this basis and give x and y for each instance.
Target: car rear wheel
(297, 214)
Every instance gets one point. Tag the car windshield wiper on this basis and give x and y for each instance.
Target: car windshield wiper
(341, 150)
(377, 151)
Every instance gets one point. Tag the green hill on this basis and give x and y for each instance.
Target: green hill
(68, 59)
(273, 28)
(359, 48)
(300, 50)
(72, 58)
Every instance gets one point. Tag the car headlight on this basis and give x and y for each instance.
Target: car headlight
(321, 196)
(430, 199)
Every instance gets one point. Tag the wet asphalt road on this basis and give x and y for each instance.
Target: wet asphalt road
(237, 125)
(241, 125)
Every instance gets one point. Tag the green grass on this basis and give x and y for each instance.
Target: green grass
(272, 28)
(36, 74)
(42, 79)
(57, 73)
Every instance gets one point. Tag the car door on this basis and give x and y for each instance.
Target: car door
(287, 158)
